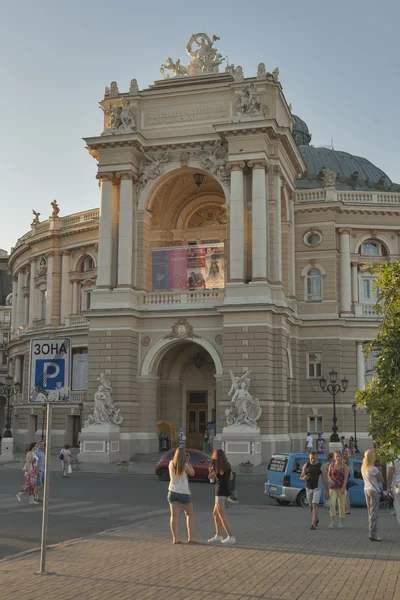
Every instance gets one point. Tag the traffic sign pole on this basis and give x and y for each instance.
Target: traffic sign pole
(46, 494)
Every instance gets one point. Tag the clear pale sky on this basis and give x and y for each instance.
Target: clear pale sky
(339, 67)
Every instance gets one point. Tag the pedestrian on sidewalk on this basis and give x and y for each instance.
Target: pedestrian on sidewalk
(309, 442)
(338, 474)
(324, 470)
(220, 473)
(312, 475)
(394, 485)
(65, 458)
(372, 477)
(41, 456)
(30, 473)
(179, 493)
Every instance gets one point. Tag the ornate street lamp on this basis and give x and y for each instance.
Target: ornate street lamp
(334, 388)
(354, 409)
(7, 389)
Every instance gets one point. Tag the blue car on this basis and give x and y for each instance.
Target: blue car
(283, 481)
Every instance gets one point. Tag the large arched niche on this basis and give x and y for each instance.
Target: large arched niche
(167, 211)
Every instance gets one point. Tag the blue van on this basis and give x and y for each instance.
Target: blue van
(283, 481)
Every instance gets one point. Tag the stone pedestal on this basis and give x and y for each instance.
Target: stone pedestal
(334, 446)
(7, 449)
(99, 444)
(242, 443)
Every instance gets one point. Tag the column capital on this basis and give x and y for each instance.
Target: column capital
(237, 165)
(258, 163)
(66, 253)
(345, 230)
(127, 175)
(359, 343)
(276, 170)
(354, 263)
(50, 254)
(33, 259)
(106, 176)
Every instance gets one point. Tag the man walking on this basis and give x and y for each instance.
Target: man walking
(41, 455)
(311, 474)
(309, 442)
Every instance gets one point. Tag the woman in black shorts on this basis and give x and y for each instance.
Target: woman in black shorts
(220, 472)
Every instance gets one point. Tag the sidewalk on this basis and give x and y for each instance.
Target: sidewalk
(277, 558)
(142, 464)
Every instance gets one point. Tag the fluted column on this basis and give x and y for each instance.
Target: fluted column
(354, 282)
(345, 271)
(65, 286)
(292, 244)
(259, 221)
(127, 230)
(32, 293)
(360, 365)
(49, 287)
(14, 303)
(75, 292)
(104, 268)
(278, 228)
(20, 298)
(26, 307)
(237, 224)
(18, 370)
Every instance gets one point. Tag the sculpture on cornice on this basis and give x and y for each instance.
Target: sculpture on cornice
(113, 91)
(56, 208)
(248, 103)
(104, 411)
(236, 72)
(205, 58)
(177, 69)
(151, 167)
(133, 88)
(329, 177)
(244, 409)
(261, 71)
(122, 118)
(35, 218)
(216, 162)
(275, 74)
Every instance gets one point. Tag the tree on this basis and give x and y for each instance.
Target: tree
(381, 396)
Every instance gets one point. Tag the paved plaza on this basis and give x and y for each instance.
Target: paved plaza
(277, 557)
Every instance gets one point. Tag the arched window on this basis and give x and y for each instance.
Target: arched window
(88, 264)
(372, 248)
(314, 285)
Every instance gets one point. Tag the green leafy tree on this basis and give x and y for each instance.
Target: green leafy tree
(381, 396)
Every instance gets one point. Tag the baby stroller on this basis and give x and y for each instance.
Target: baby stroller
(386, 500)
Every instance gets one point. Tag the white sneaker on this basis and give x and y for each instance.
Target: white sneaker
(229, 540)
(332, 526)
(216, 538)
(340, 526)
(18, 497)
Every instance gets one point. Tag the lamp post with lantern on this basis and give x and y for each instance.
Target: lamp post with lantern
(334, 389)
(8, 389)
(354, 409)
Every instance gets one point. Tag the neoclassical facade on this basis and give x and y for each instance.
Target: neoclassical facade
(224, 242)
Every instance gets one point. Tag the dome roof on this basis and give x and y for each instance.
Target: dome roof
(300, 131)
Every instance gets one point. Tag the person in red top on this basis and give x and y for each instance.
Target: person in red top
(338, 474)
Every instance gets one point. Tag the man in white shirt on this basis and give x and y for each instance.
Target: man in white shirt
(309, 442)
(394, 484)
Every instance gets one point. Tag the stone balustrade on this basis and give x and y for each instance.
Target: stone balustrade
(365, 310)
(77, 396)
(349, 197)
(76, 321)
(162, 299)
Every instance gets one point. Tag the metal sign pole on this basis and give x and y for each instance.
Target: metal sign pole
(46, 491)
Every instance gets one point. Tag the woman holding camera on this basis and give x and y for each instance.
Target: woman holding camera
(179, 493)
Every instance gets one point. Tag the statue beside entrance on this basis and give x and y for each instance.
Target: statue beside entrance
(241, 439)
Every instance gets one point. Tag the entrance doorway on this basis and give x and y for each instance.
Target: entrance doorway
(196, 418)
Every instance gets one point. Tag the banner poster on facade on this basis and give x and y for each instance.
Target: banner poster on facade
(188, 267)
(79, 372)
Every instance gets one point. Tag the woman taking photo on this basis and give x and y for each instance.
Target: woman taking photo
(31, 472)
(220, 472)
(338, 474)
(179, 493)
(372, 478)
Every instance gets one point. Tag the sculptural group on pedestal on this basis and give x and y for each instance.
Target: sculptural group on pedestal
(244, 409)
(104, 411)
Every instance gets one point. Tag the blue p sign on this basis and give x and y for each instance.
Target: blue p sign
(49, 373)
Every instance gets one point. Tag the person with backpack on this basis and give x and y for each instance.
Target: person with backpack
(372, 478)
(312, 475)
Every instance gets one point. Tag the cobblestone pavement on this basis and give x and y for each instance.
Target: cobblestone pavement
(277, 557)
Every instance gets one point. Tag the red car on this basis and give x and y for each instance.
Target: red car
(199, 461)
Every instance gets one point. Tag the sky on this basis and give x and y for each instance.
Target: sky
(339, 66)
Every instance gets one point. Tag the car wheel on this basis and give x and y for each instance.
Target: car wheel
(282, 502)
(163, 475)
(301, 499)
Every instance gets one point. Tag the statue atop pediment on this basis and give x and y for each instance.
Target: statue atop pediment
(205, 58)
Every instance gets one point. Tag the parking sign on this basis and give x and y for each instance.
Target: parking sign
(49, 379)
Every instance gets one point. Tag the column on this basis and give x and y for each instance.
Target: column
(18, 370)
(345, 271)
(49, 288)
(360, 365)
(104, 267)
(354, 282)
(292, 254)
(32, 293)
(75, 298)
(20, 299)
(14, 304)
(126, 231)
(26, 307)
(236, 224)
(278, 229)
(259, 223)
(65, 286)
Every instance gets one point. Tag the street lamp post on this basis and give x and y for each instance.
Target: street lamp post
(7, 389)
(334, 388)
(43, 420)
(354, 409)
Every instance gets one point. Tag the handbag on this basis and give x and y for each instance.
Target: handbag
(69, 470)
(61, 457)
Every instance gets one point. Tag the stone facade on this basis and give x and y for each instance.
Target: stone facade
(295, 304)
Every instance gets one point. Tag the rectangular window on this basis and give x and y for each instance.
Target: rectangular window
(88, 299)
(315, 424)
(7, 317)
(4, 358)
(369, 365)
(6, 337)
(314, 365)
(369, 291)
(43, 299)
